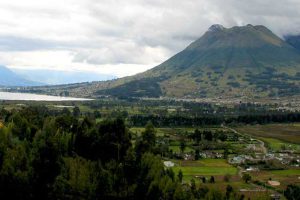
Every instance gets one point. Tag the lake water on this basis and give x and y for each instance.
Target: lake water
(11, 96)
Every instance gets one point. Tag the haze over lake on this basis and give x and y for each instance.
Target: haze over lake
(35, 97)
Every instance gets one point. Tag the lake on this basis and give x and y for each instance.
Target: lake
(11, 96)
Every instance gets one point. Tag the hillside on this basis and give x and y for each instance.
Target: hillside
(293, 40)
(9, 78)
(238, 62)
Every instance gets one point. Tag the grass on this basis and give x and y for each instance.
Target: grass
(288, 172)
(205, 171)
(205, 167)
(176, 149)
(276, 144)
(175, 132)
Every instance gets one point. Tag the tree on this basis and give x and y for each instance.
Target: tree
(180, 176)
(202, 192)
(208, 135)
(229, 190)
(222, 136)
(149, 134)
(147, 142)
(214, 194)
(46, 160)
(193, 186)
(65, 111)
(197, 136)
(197, 154)
(97, 114)
(292, 192)
(247, 178)
(225, 153)
(182, 194)
(108, 140)
(212, 179)
(76, 111)
(182, 146)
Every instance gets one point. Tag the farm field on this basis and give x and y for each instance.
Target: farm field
(277, 145)
(289, 133)
(175, 132)
(176, 149)
(205, 167)
(284, 177)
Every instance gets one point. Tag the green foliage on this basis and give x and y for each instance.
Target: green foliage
(180, 176)
(56, 155)
(82, 179)
(182, 145)
(76, 111)
(247, 177)
(292, 192)
(147, 142)
(107, 140)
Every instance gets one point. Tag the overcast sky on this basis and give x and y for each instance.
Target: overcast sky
(123, 37)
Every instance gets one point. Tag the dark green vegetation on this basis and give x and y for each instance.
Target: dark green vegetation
(292, 192)
(48, 154)
(106, 149)
(56, 156)
(240, 62)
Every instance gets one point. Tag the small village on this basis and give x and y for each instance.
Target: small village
(251, 156)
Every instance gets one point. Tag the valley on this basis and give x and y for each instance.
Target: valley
(213, 146)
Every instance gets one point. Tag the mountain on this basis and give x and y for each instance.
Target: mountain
(238, 62)
(54, 77)
(9, 78)
(246, 61)
(293, 40)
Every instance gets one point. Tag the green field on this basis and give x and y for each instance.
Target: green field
(288, 172)
(276, 144)
(162, 131)
(205, 167)
(285, 132)
(176, 149)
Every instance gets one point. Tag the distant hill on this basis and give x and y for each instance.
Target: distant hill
(238, 62)
(9, 78)
(55, 77)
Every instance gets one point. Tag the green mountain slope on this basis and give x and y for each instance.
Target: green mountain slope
(242, 61)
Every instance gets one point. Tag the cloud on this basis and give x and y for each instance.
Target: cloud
(123, 37)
